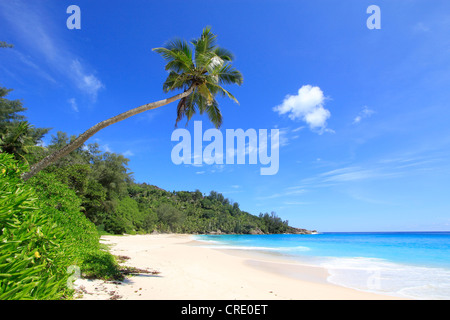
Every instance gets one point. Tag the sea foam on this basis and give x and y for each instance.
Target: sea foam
(385, 277)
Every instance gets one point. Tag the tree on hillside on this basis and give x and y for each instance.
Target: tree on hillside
(199, 71)
(3, 44)
(17, 136)
(170, 216)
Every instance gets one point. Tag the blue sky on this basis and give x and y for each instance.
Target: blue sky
(363, 114)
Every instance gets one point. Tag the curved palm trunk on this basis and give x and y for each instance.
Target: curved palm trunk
(78, 142)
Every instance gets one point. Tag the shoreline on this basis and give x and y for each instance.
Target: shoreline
(188, 270)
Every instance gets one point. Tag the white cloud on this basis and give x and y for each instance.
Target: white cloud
(356, 173)
(27, 61)
(73, 104)
(364, 113)
(283, 137)
(359, 173)
(298, 129)
(292, 191)
(351, 175)
(357, 119)
(106, 148)
(308, 106)
(295, 203)
(421, 27)
(128, 153)
(37, 33)
(87, 83)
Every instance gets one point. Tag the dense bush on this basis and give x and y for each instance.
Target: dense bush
(117, 205)
(31, 257)
(42, 234)
(169, 217)
(48, 225)
(99, 264)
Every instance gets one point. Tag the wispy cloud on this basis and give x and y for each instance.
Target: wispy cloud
(295, 203)
(361, 196)
(106, 148)
(33, 66)
(128, 153)
(298, 129)
(49, 55)
(227, 192)
(388, 168)
(148, 116)
(353, 174)
(364, 113)
(287, 192)
(211, 169)
(411, 162)
(85, 81)
(421, 27)
(307, 105)
(73, 104)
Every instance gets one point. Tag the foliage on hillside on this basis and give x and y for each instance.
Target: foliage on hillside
(42, 234)
(49, 225)
(108, 196)
(116, 204)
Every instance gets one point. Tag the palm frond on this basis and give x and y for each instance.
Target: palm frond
(180, 45)
(224, 54)
(191, 106)
(203, 61)
(177, 60)
(229, 75)
(205, 67)
(181, 109)
(206, 42)
(176, 81)
(223, 92)
(204, 91)
(187, 108)
(214, 114)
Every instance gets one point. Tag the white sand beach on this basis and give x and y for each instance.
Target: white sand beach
(190, 271)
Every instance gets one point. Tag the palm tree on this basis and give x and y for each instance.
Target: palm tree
(17, 135)
(199, 71)
(19, 138)
(205, 69)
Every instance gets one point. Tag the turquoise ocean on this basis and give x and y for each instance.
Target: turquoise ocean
(414, 265)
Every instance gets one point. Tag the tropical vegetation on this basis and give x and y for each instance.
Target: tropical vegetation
(52, 216)
(201, 72)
